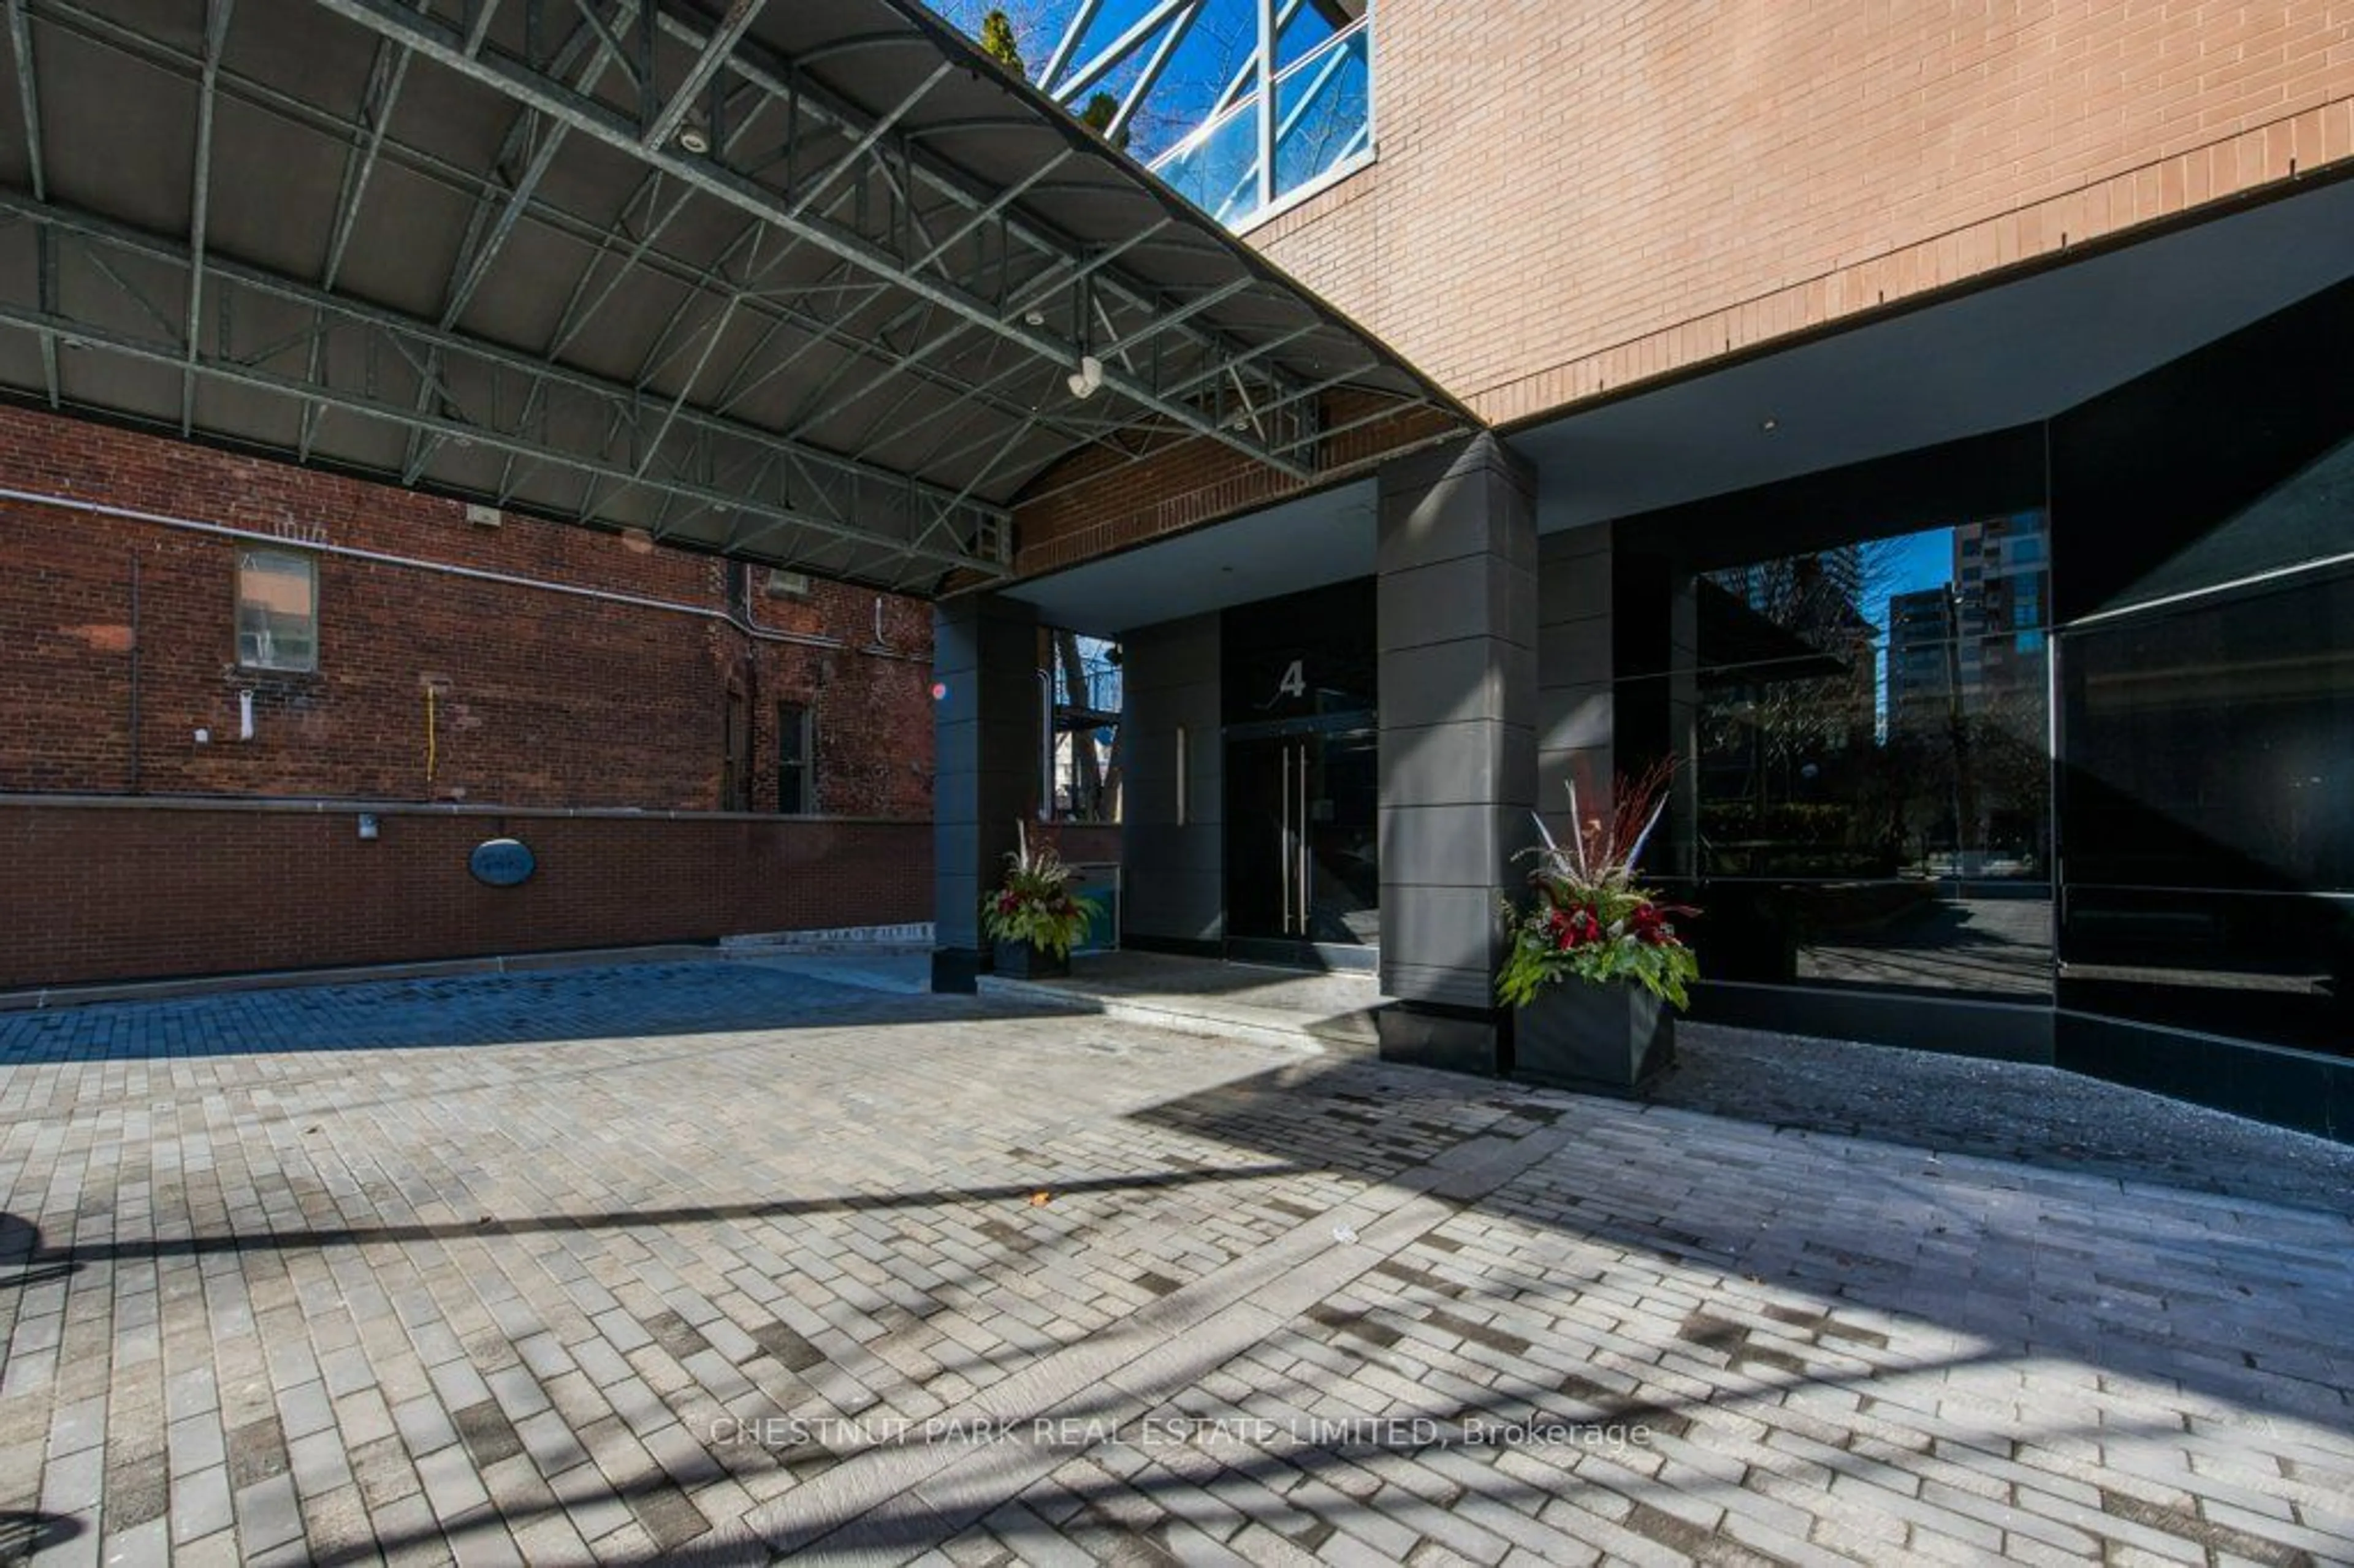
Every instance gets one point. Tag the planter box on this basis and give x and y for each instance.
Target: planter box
(1022, 960)
(1609, 1039)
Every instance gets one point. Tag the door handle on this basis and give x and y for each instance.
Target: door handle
(1306, 881)
(1283, 841)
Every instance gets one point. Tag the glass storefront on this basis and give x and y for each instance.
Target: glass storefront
(2062, 716)
(2211, 812)
(1868, 799)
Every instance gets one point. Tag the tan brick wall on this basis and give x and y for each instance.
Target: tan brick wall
(1571, 197)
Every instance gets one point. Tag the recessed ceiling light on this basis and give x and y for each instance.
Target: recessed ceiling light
(1769, 424)
(1036, 318)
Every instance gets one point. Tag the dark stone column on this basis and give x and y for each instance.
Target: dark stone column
(1576, 732)
(985, 733)
(1458, 558)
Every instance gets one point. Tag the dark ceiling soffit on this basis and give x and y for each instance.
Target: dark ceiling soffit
(1928, 299)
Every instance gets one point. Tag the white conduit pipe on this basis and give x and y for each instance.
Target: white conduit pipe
(476, 574)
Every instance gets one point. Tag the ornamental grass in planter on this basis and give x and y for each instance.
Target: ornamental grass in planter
(1033, 919)
(1596, 964)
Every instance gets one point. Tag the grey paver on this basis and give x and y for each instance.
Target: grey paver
(675, 1259)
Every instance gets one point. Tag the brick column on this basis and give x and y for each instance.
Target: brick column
(1457, 557)
(985, 728)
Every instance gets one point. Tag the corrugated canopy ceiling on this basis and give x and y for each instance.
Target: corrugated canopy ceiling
(806, 283)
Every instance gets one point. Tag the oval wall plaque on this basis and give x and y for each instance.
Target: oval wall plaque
(502, 863)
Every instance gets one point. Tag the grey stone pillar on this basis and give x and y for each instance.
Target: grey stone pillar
(985, 734)
(1172, 837)
(1576, 733)
(1457, 557)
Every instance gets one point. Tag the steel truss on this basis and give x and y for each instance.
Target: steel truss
(855, 242)
(329, 354)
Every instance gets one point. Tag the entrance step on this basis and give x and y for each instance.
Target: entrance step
(1329, 1012)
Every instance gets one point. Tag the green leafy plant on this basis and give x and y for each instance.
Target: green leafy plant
(1585, 917)
(998, 42)
(1098, 114)
(1035, 903)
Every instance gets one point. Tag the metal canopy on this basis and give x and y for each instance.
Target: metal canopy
(814, 284)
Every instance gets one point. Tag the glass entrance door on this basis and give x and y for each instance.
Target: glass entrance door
(1300, 833)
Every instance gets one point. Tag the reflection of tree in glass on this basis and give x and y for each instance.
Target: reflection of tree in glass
(1212, 65)
(1794, 777)
(1322, 118)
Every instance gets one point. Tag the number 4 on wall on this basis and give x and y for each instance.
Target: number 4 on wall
(1295, 680)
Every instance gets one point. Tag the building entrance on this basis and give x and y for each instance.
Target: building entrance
(1300, 834)
(1302, 779)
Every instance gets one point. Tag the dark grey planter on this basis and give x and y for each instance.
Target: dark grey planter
(1613, 1039)
(1023, 960)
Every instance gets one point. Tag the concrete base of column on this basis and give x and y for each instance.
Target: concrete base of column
(956, 970)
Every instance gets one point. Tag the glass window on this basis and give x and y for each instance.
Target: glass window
(277, 611)
(1870, 783)
(1313, 108)
(2211, 813)
(1324, 113)
(796, 760)
(2206, 792)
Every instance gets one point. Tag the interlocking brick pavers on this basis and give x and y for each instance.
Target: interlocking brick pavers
(707, 1262)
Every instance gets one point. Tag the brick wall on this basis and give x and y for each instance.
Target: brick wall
(540, 698)
(1094, 501)
(1573, 196)
(119, 891)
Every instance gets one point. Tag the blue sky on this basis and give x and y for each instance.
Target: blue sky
(1223, 36)
(1917, 561)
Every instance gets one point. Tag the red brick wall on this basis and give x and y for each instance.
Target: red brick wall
(1573, 196)
(540, 698)
(128, 892)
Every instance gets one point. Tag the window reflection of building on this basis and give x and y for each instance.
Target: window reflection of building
(1873, 775)
(1920, 659)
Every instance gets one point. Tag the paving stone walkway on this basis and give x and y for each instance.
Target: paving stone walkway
(711, 1262)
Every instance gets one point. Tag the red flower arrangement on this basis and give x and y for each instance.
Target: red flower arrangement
(1035, 903)
(1586, 917)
